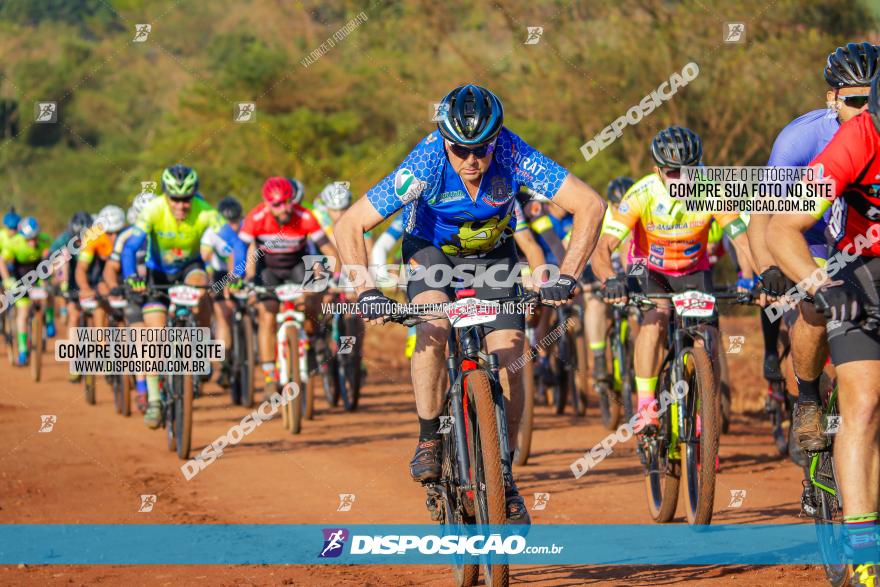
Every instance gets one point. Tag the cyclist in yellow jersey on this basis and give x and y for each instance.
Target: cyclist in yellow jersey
(172, 227)
(23, 252)
(672, 244)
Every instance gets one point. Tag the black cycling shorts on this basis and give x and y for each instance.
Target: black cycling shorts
(273, 276)
(846, 340)
(161, 278)
(494, 275)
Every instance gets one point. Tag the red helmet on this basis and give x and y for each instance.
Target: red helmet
(277, 190)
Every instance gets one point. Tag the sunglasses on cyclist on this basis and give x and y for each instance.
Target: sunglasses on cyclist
(463, 152)
(671, 172)
(855, 101)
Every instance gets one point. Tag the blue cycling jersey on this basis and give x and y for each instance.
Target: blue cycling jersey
(561, 226)
(438, 208)
(798, 144)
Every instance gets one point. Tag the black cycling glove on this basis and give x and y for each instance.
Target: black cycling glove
(838, 303)
(614, 287)
(373, 304)
(774, 282)
(560, 291)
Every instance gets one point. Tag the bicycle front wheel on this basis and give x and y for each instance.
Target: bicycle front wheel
(663, 472)
(702, 429)
(486, 471)
(36, 339)
(183, 409)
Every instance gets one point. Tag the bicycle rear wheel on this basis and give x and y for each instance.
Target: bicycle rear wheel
(699, 448)
(486, 471)
(663, 472)
(526, 423)
(349, 367)
(36, 342)
(582, 377)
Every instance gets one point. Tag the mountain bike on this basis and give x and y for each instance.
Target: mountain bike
(569, 360)
(345, 360)
(243, 359)
(36, 342)
(616, 392)
(686, 441)
(179, 389)
(530, 384)
(86, 317)
(820, 499)
(779, 403)
(475, 465)
(292, 354)
(122, 383)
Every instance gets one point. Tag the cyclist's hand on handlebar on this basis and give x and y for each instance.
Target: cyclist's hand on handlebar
(773, 282)
(559, 292)
(136, 284)
(614, 290)
(373, 305)
(838, 303)
(235, 284)
(745, 284)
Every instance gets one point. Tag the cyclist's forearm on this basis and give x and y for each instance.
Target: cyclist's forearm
(757, 232)
(744, 255)
(4, 270)
(601, 259)
(111, 274)
(789, 247)
(82, 280)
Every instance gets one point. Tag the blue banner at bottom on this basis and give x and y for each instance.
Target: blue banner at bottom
(431, 544)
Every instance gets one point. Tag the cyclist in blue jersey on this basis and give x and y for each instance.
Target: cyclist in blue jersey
(848, 72)
(217, 248)
(457, 190)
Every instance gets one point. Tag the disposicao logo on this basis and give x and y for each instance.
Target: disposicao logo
(334, 541)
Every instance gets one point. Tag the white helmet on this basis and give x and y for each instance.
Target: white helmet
(112, 217)
(139, 202)
(336, 195)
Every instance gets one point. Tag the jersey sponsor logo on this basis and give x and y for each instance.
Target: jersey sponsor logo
(692, 249)
(658, 249)
(624, 208)
(655, 260)
(431, 138)
(499, 194)
(446, 197)
(407, 186)
(527, 166)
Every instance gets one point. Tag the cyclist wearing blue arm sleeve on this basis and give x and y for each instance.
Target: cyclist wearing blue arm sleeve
(130, 251)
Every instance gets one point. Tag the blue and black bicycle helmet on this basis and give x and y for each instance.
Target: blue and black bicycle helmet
(472, 116)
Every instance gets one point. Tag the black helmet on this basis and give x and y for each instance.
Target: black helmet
(874, 102)
(472, 116)
(852, 66)
(180, 182)
(79, 222)
(617, 187)
(677, 146)
(230, 208)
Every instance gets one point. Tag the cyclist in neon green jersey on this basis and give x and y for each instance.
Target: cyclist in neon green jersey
(23, 252)
(173, 227)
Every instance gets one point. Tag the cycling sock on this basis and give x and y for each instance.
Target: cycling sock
(269, 371)
(770, 330)
(598, 349)
(140, 386)
(153, 394)
(860, 532)
(22, 342)
(645, 387)
(429, 429)
(808, 389)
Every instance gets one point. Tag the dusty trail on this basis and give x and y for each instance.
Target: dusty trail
(94, 466)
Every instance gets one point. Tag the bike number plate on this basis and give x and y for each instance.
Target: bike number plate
(694, 304)
(184, 295)
(289, 292)
(118, 304)
(89, 304)
(470, 311)
(38, 293)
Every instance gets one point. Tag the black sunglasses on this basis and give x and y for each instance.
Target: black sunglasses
(463, 152)
(855, 101)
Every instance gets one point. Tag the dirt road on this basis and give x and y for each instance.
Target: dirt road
(94, 466)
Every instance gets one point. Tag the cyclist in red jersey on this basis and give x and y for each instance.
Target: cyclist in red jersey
(277, 231)
(847, 292)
